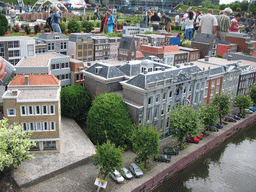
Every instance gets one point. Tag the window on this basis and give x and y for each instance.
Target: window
(170, 94)
(49, 46)
(217, 90)
(214, 46)
(49, 145)
(202, 87)
(57, 37)
(213, 83)
(149, 112)
(61, 46)
(57, 66)
(31, 127)
(24, 126)
(218, 81)
(10, 44)
(77, 77)
(206, 85)
(45, 126)
(31, 50)
(214, 53)
(52, 46)
(163, 109)
(62, 76)
(38, 126)
(16, 53)
(30, 110)
(11, 112)
(52, 109)
(38, 112)
(65, 45)
(158, 98)
(197, 86)
(35, 148)
(150, 100)
(164, 95)
(79, 47)
(79, 54)
(23, 110)
(62, 65)
(82, 76)
(66, 65)
(44, 109)
(52, 126)
(85, 46)
(156, 112)
(53, 66)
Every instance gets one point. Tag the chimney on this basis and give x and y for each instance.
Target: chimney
(145, 71)
(73, 56)
(191, 64)
(163, 68)
(26, 80)
(206, 58)
(14, 92)
(209, 68)
(229, 57)
(178, 65)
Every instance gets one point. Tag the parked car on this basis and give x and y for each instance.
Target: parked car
(235, 116)
(135, 169)
(117, 176)
(212, 128)
(163, 158)
(230, 119)
(248, 111)
(219, 126)
(170, 151)
(252, 108)
(225, 123)
(200, 137)
(241, 115)
(192, 140)
(126, 173)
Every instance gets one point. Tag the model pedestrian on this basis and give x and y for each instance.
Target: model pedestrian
(189, 25)
(208, 23)
(224, 24)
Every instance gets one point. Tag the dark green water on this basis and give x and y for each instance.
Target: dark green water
(229, 167)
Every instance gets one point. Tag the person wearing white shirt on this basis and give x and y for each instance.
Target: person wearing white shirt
(189, 26)
(208, 23)
(177, 17)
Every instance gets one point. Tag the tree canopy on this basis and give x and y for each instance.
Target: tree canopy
(145, 143)
(75, 102)
(108, 157)
(208, 115)
(74, 26)
(109, 118)
(253, 93)
(14, 146)
(222, 105)
(242, 101)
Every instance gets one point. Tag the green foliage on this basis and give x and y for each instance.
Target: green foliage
(87, 26)
(2, 30)
(178, 28)
(88, 18)
(92, 2)
(3, 24)
(37, 29)
(242, 101)
(186, 43)
(219, 56)
(149, 32)
(184, 121)
(222, 105)
(46, 29)
(14, 145)
(119, 34)
(27, 29)
(208, 115)
(74, 26)
(94, 17)
(145, 143)
(108, 157)
(109, 118)
(111, 35)
(75, 102)
(63, 27)
(253, 94)
(80, 18)
(64, 19)
(211, 6)
(22, 26)
(16, 28)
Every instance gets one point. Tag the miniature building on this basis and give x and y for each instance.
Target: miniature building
(114, 45)
(101, 47)
(40, 46)
(131, 30)
(194, 54)
(15, 47)
(47, 63)
(34, 102)
(77, 76)
(154, 39)
(206, 43)
(55, 42)
(127, 48)
(81, 46)
(148, 50)
(139, 55)
(242, 40)
(224, 47)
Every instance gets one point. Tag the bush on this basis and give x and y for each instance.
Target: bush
(3, 22)
(119, 34)
(2, 30)
(22, 26)
(178, 28)
(173, 26)
(219, 56)
(46, 30)
(63, 27)
(37, 29)
(27, 29)
(80, 18)
(75, 102)
(41, 24)
(94, 17)
(64, 19)
(88, 18)
(87, 26)
(101, 16)
(16, 28)
(186, 43)
(74, 26)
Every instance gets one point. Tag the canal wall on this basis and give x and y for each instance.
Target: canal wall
(160, 177)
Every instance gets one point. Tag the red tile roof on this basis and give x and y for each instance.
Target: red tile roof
(171, 48)
(35, 80)
(139, 54)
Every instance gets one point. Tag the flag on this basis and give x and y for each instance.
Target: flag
(188, 100)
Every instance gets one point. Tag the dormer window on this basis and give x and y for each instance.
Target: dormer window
(97, 69)
(57, 37)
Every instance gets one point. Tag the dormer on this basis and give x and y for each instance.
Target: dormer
(57, 37)
(98, 69)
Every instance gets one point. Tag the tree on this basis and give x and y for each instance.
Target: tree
(145, 143)
(243, 102)
(109, 118)
(184, 121)
(87, 26)
(14, 146)
(108, 158)
(208, 115)
(253, 93)
(74, 26)
(92, 2)
(3, 25)
(222, 6)
(63, 27)
(222, 104)
(105, 2)
(75, 102)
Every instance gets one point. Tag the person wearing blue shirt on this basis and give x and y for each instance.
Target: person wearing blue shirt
(55, 20)
(110, 22)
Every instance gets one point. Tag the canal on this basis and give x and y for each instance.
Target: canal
(228, 167)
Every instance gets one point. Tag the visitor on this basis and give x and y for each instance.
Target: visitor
(177, 17)
(221, 12)
(102, 22)
(208, 24)
(105, 27)
(250, 26)
(2, 69)
(197, 19)
(166, 21)
(224, 24)
(147, 17)
(182, 23)
(96, 12)
(20, 6)
(189, 25)
(111, 20)
(155, 21)
(13, 16)
(234, 23)
(55, 19)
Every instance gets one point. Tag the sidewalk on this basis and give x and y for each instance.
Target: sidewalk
(82, 178)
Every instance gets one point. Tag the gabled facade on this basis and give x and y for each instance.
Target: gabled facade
(34, 102)
(127, 48)
(15, 47)
(194, 54)
(154, 39)
(114, 45)
(55, 42)
(101, 47)
(76, 72)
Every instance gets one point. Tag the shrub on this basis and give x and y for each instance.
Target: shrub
(3, 22)
(64, 19)
(119, 34)
(41, 24)
(94, 17)
(74, 26)
(101, 16)
(37, 29)
(219, 56)
(22, 26)
(186, 43)
(16, 28)
(46, 30)
(2, 30)
(27, 29)
(88, 18)
(178, 28)
(80, 18)
(87, 26)
(63, 27)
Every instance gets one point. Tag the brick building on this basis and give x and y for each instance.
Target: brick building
(114, 45)
(101, 47)
(76, 74)
(224, 47)
(194, 53)
(34, 102)
(127, 48)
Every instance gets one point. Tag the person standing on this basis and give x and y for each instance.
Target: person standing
(177, 17)
(224, 24)
(13, 16)
(189, 25)
(196, 21)
(55, 20)
(155, 21)
(147, 17)
(96, 12)
(208, 23)
(105, 27)
(111, 20)
(234, 23)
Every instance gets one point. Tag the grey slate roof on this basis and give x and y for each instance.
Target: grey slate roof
(126, 43)
(106, 72)
(203, 38)
(238, 56)
(141, 79)
(50, 36)
(215, 71)
(78, 37)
